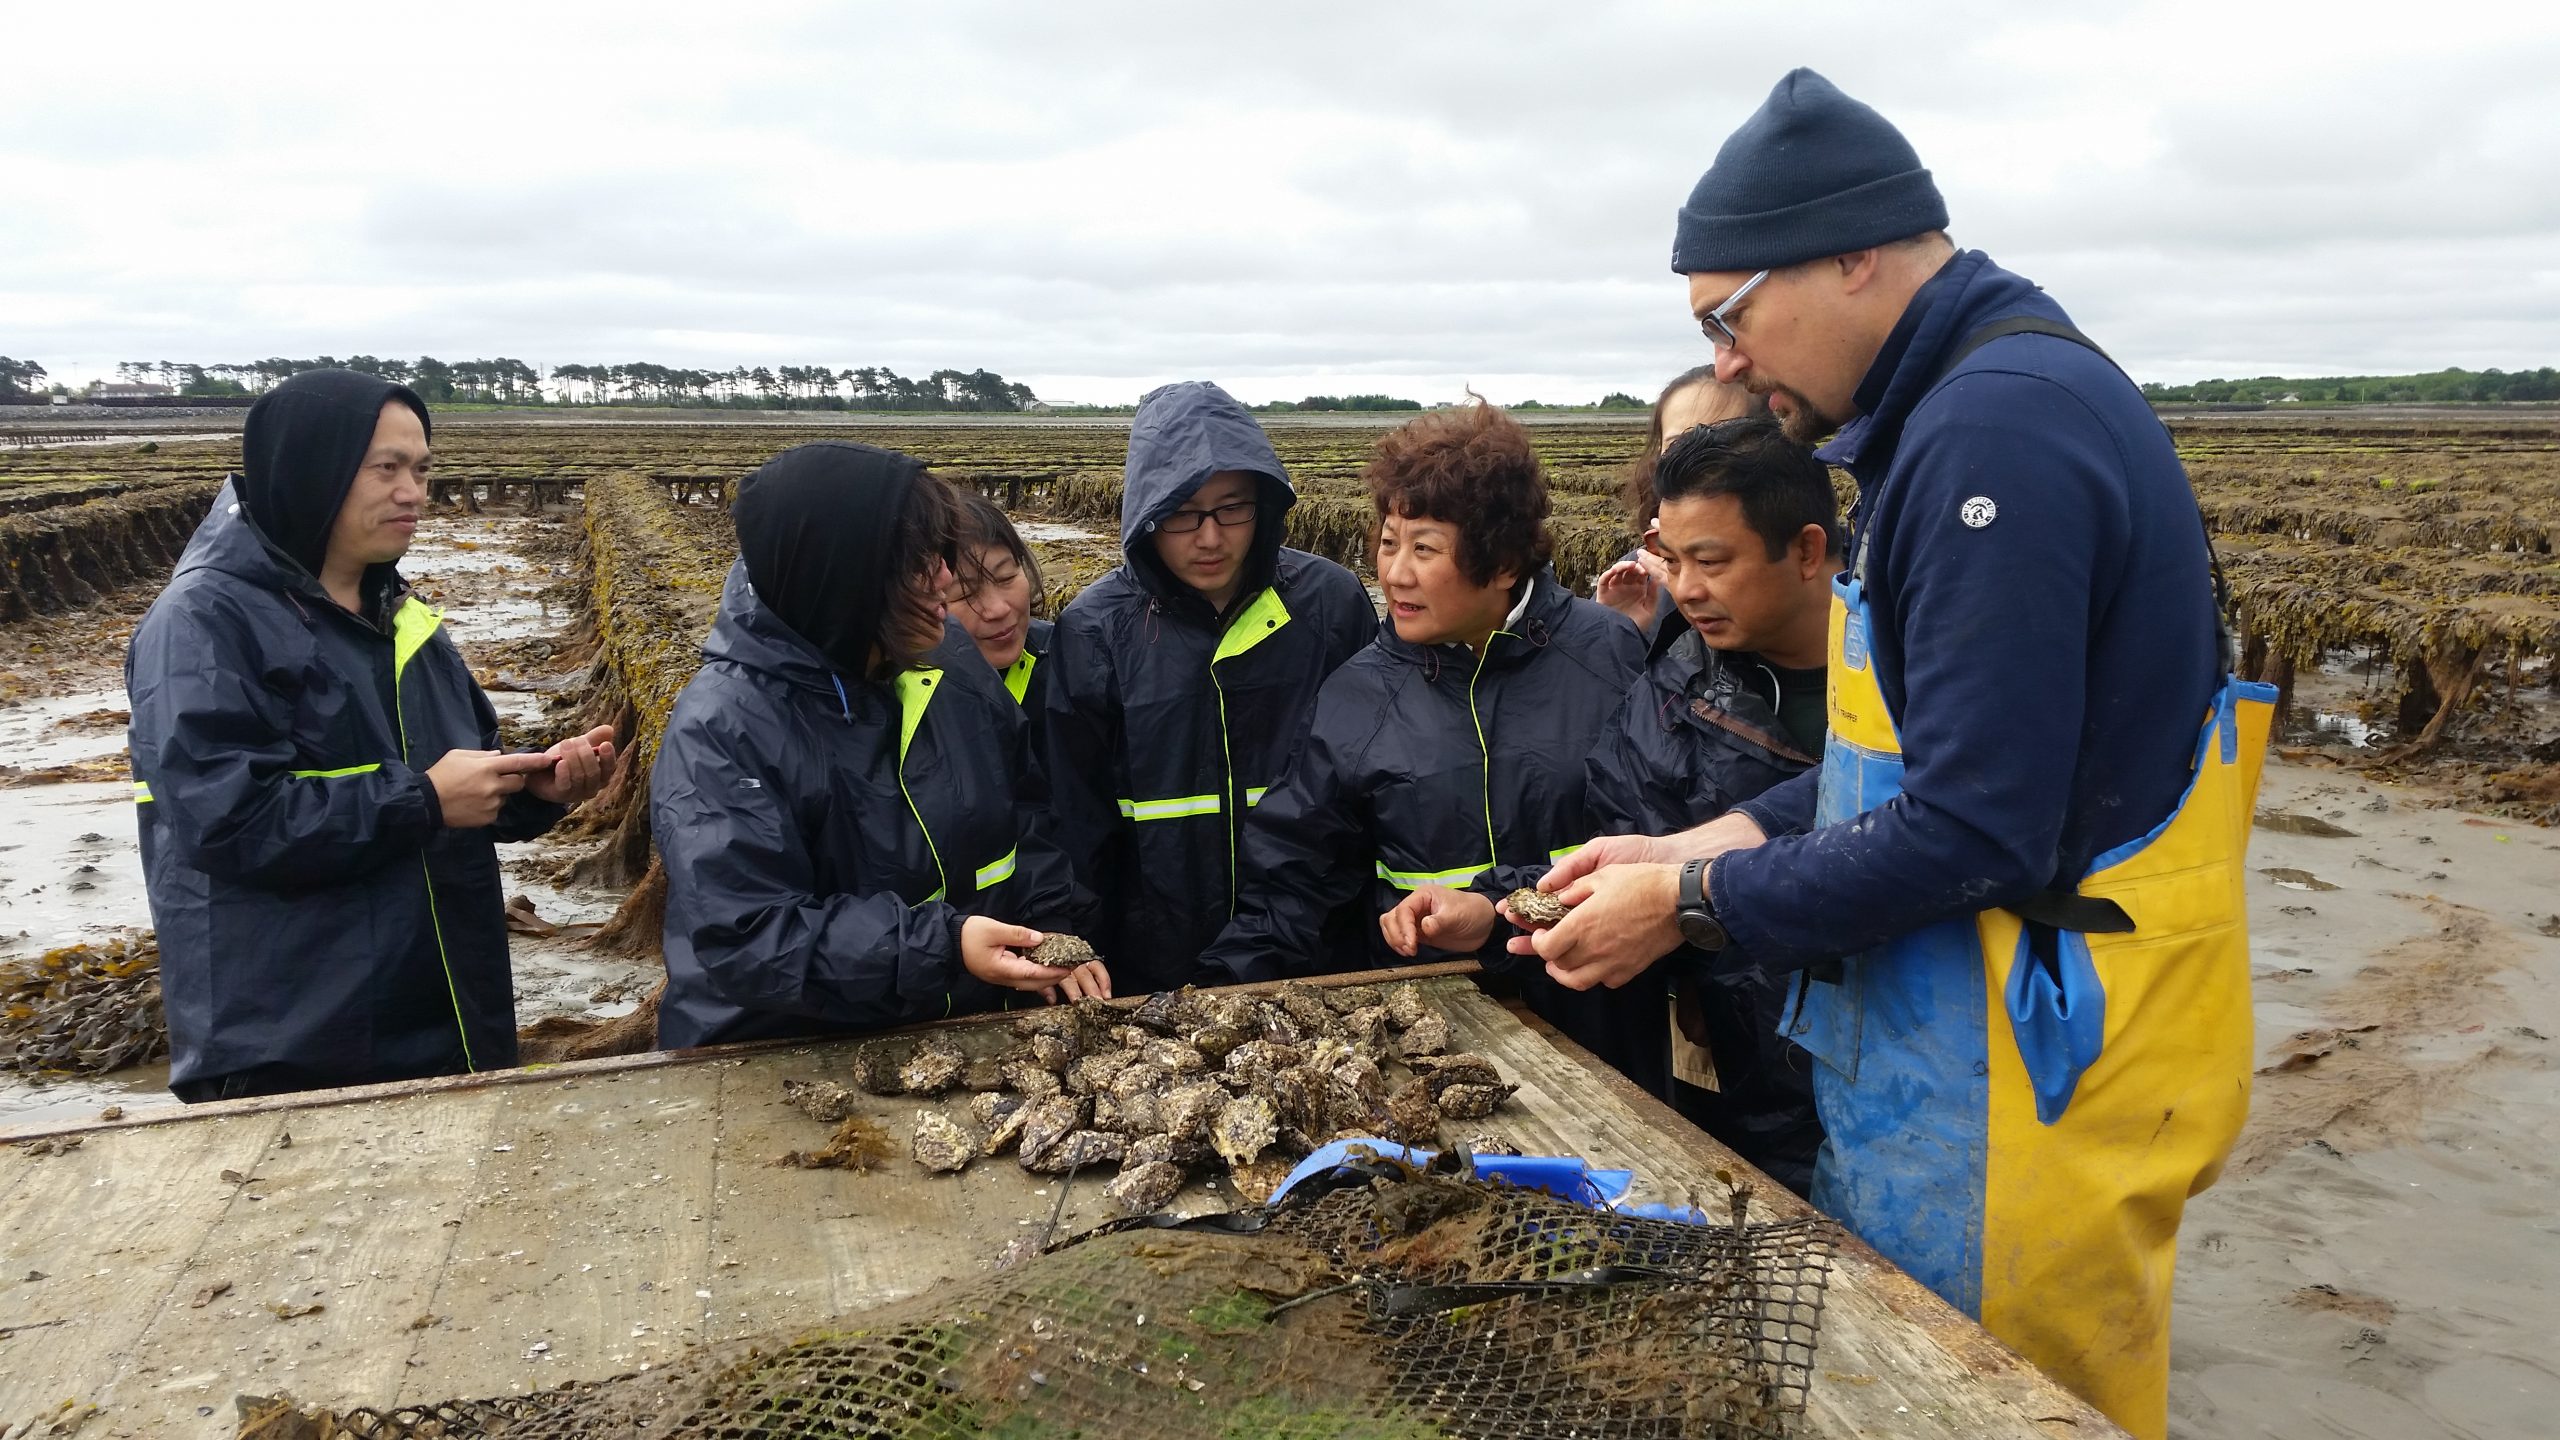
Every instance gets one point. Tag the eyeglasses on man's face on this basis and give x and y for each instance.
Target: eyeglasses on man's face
(1228, 516)
(1718, 323)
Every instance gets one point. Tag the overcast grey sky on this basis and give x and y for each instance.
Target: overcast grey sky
(1094, 197)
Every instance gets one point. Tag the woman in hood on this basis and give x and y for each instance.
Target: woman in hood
(1450, 751)
(1181, 681)
(843, 796)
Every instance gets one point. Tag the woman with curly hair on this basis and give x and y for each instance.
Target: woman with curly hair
(1449, 753)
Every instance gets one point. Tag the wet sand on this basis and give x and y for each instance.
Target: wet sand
(2383, 1257)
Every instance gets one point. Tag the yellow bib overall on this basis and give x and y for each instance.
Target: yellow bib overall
(2017, 1114)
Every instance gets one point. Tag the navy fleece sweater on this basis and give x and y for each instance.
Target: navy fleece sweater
(2048, 665)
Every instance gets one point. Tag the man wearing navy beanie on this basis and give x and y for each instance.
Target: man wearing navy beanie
(2013, 891)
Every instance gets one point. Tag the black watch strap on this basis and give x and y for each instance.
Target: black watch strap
(1698, 923)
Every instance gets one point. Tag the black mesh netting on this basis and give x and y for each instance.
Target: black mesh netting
(1400, 1306)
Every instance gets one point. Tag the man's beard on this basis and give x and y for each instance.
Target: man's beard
(1803, 422)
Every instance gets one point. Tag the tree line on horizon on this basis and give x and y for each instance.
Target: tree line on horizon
(2453, 385)
(505, 381)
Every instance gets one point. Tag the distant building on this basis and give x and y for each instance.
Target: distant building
(131, 390)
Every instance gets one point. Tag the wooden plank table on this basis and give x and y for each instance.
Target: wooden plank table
(490, 1235)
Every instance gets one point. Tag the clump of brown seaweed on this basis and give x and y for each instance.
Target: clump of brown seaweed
(83, 1009)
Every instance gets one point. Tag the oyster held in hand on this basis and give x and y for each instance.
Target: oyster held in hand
(1060, 952)
(1535, 909)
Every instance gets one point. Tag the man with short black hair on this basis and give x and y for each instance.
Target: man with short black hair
(317, 777)
(2018, 911)
(1731, 706)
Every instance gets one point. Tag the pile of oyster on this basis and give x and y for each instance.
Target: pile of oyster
(1190, 1080)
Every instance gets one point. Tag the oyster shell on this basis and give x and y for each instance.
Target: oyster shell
(820, 1099)
(1405, 1005)
(990, 1108)
(1168, 1149)
(1191, 1107)
(1146, 1188)
(1255, 1061)
(1030, 1079)
(1217, 1040)
(1350, 999)
(1244, 1129)
(1061, 952)
(1409, 1116)
(1305, 1007)
(1173, 1057)
(1053, 1050)
(1047, 1122)
(1256, 1181)
(982, 1074)
(1463, 1068)
(1534, 909)
(943, 1144)
(1473, 1102)
(1162, 1012)
(1094, 1072)
(1426, 1036)
(875, 1067)
(933, 1068)
(1080, 1150)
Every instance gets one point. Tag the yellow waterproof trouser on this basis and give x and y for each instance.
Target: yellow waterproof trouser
(2018, 1113)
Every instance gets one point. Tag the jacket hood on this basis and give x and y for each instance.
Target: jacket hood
(1183, 434)
(818, 530)
(230, 541)
(750, 635)
(300, 450)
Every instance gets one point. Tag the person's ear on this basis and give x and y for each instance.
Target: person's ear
(1812, 548)
(1859, 268)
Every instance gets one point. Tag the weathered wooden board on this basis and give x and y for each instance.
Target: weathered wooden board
(494, 1235)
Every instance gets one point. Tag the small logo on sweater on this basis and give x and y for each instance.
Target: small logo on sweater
(1978, 512)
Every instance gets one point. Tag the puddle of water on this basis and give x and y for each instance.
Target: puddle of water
(1039, 530)
(70, 867)
(32, 735)
(2326, 724)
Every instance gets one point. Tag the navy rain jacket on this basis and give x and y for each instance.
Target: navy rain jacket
(824, 837)
(1699, 736)
(1432, 766)
(1167, 722)
(2049, 659)
(318, 923)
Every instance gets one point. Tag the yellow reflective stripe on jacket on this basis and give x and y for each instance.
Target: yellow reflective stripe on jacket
(915, 693)
(1254, 796)
(1415, 880)
(1173, 809)
(411, 628)
(337, 774)
(141, 792)
(1555, 855)
(1253, 624)
(1017, 676)
(996, 872)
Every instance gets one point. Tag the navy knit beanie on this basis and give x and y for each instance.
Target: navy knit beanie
(1811, 173)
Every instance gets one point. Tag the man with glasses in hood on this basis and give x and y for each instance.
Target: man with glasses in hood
(2017, 910)
(1182, 681)
(317, 777)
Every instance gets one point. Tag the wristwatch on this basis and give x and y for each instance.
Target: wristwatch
(1698, 923)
